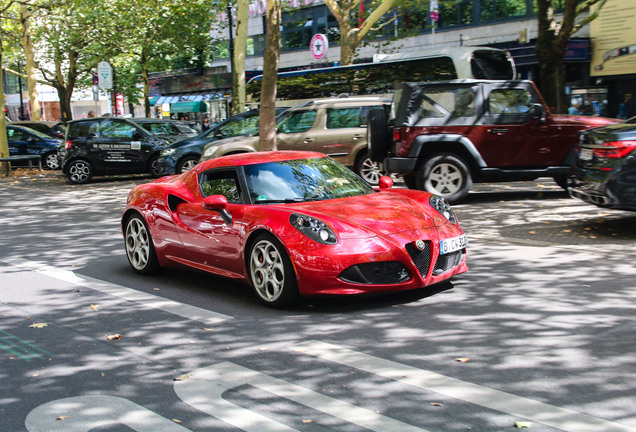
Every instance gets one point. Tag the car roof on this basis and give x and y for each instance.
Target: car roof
(345, 101)
(28, 122)
(242, 159)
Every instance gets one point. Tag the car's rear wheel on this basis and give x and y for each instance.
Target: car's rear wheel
(187, 163)
(271, 272)
(139, 247)
(377, 134)
(51, 161)
(369, 170)
(155, 169)
(445, 175)
(80, 171)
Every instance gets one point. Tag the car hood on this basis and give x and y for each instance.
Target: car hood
(382, 213)
(584, 121)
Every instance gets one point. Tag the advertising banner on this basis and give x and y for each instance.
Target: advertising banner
(614, 39)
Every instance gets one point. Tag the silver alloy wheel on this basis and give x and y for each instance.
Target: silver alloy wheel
(371, 171)
(137, 244)
(445, 179)
(79, 172)
(51, 161)
(267, 271)
(188, 165)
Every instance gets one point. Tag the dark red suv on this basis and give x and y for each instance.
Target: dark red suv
(443, 136)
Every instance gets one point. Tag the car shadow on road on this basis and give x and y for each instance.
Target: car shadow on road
(501, 195)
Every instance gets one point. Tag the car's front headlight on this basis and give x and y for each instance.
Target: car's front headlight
(209, 152)
(443, 207)
(313, 228)
(168, 152)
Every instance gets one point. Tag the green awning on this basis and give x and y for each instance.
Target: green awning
(188, 107)
(153, 100)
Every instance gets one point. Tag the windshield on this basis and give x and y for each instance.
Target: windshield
(302, 180)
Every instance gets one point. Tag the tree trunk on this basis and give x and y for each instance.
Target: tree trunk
(4, 143)
(146, 82)
(240, 46)
(30, 64)
(65, 103)
(267, 115)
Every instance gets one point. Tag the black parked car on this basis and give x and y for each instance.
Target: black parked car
(109, 145)
(604, 170)
(172, 130)
(26, 141)
(50, 128)
(183, 155)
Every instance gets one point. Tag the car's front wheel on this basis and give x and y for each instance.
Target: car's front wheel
(155, 169)
(51, 161)
(369, 170)
(187, 163)
(80, 171)
(271, 272)
(445, 175)
(139, 247)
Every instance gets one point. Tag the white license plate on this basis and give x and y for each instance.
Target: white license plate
(586, 154)
(453, 244)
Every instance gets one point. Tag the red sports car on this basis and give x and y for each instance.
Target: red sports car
(293, 224)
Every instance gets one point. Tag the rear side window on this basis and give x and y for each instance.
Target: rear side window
(83, 129)
(243, 126)
(340, 118)
(117, 129)
(16, 135)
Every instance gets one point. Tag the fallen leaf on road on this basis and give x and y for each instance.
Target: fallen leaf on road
(39, 325)
(521, 425)
(463, 359)
(182, 377)
(532, 232)
(114, 336)
(308, 421)
(63, 418)
(436, 404)
(94, 307)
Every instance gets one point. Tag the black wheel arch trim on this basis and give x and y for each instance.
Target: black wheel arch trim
(418, 149)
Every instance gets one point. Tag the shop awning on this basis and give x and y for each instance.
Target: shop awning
(153, 100)
(188, 107)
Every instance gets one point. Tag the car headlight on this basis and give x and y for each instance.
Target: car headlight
(208, 152)
(442, 206)
(168, 151)
(313, 228)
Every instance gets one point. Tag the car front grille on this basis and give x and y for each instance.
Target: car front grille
(421, 258)
(448, 262)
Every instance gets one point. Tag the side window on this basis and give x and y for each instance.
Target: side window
(117, 129)
(297, 121)
(243, 126)
(512, 106)
(221, 183)
(16, 135)
(339, 118)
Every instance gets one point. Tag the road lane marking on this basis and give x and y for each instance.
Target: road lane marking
(21, 348)
(152, 301)
(540, 412)
(205, 387)
(85, 413)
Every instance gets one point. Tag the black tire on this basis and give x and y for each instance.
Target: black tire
(271, 272)
(153, 167)
(186, 164)
(50, 161)
(445, 175)
(377, 134)
(80, 171)
(140, 249)
(369, 170)
(562, 181)
(410, 181)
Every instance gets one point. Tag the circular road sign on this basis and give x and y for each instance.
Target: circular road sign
(319, 46)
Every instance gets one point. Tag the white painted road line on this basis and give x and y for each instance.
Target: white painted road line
(205, 387)
(149, 300)
(550, 415)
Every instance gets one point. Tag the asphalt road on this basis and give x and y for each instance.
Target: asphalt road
(538, 334)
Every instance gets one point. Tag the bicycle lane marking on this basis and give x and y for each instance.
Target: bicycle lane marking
(205, 387)
(540, 412)
(186, 311)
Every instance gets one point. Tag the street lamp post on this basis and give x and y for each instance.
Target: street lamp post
(231, 47)
(22, 116)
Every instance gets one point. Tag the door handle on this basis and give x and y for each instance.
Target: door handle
(498, 131)
(357, 137)
(308, 140)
